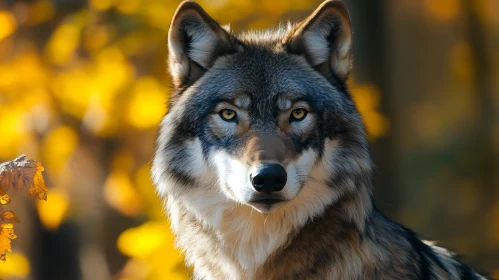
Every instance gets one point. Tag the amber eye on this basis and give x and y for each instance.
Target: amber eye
(298, 114)
(227, 114)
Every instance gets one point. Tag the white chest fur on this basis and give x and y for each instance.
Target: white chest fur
(246, 236)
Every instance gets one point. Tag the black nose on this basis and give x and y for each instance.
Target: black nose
(269, 178)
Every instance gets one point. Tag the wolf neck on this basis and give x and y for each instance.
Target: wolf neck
(239, 241)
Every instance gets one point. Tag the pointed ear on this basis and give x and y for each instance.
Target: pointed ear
(195, 40)
(325, 39)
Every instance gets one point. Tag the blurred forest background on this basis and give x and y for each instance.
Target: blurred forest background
(83, 86)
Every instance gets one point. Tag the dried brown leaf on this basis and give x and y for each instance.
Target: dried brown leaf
(22, 174)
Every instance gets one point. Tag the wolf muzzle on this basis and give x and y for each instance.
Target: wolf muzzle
(268, 177)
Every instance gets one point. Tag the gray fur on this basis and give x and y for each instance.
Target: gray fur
(329, 228)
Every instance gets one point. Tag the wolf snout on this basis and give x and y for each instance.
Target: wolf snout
(268, 178)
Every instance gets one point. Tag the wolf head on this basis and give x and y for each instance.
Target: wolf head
(261, 119)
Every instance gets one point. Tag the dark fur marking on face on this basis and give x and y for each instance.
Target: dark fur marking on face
(180, 176)
(176, 167)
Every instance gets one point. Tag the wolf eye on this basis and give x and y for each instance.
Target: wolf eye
(298, 114)
(227, 114)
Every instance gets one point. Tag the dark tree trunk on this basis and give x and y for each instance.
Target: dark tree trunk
(370, 65)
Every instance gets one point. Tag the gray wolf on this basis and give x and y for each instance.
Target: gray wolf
(263, 163)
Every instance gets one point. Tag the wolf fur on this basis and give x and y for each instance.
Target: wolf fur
(327, 227)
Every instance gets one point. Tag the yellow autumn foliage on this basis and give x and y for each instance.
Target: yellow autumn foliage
(16, 265)
(53, 211)
(57, 152)
(120, 193)
(7, 221)
(63, 43)
(367, 97)
(7, 24)
(147, 103)
(152, 249)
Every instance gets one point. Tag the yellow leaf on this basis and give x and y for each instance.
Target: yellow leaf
(57, 152)
(143, 241)
(23, 174)
(147, 105)
(4, 199)
(7, 220)
(367, 97)
(151, 247)
(7, 24)
(53, 211)
(39, 189)
(120, 193)
(63, 43)
(16, 266)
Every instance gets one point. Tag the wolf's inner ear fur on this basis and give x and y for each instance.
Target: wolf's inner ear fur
(325, 39)
(195, 40)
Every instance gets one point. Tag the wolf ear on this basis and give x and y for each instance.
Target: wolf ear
(195, 40)
(325, 39)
